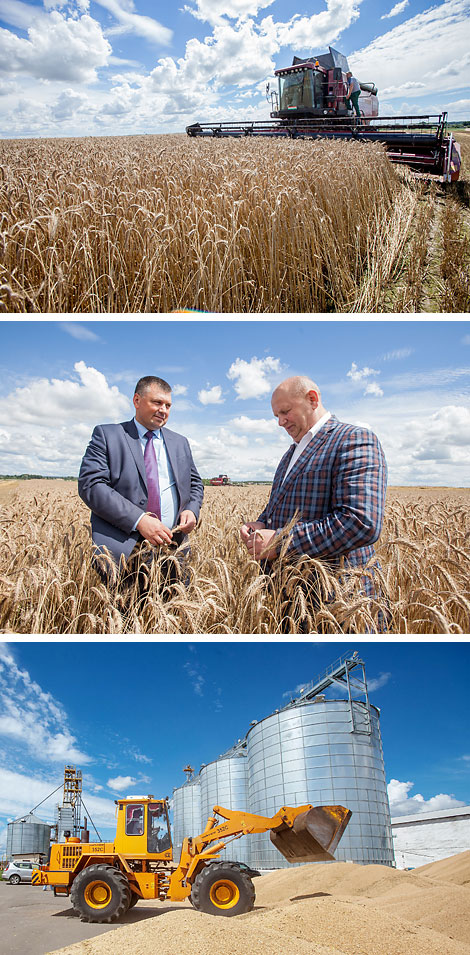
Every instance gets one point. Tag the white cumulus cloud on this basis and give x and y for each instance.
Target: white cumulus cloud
(57, 48)
(253, 379)
(33, 719)
(211, 396)
(372, 388)
(358, 374)
(120, 783)
(46, 424)
(407, 53)
(402, 804)
(254, 425)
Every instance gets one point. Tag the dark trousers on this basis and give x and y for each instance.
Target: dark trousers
(132, 578)
(355, 102)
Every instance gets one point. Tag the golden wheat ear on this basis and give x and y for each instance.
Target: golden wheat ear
(162, 224)
(49, 584)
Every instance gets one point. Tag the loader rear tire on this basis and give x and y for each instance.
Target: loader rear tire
(223, 889)
(100, 893)
(134, 899)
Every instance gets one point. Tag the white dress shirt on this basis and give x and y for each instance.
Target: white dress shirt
(302, 444)
(166, 478)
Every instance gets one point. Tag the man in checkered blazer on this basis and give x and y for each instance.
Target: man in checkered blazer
(332, 479)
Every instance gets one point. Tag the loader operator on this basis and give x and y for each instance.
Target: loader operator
(353, 93)
(140, 482)
(331, 482)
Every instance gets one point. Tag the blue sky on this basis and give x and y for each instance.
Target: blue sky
(79, 67)
(55, 709)
(407, 380)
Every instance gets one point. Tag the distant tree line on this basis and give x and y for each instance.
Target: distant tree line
(43, 477)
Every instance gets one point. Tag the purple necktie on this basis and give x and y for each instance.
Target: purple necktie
(151, 470)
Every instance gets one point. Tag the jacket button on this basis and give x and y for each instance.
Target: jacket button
(269, 521)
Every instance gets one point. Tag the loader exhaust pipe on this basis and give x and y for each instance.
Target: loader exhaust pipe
(314, 835)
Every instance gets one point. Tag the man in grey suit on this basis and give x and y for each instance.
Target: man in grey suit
(139, 479)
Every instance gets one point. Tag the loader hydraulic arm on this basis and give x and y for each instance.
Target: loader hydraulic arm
(242, 824)
(301, 834)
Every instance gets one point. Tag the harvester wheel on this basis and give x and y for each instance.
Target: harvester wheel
(223, 889)
(100, 893)
(134, 899)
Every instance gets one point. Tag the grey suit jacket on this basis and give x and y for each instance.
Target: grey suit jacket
(112, 482)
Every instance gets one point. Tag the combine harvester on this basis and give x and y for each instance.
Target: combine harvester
(310, 104)
(222, 479)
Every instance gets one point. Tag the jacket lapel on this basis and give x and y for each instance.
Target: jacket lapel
(169, 442)
(307, 454)
(133, 440)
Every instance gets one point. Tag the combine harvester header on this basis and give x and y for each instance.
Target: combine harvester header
(310, 103)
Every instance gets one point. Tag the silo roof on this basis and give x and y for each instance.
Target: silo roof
(29, 817)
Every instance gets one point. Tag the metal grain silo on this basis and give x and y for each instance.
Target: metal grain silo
(28, 836)
(186, 813)
(224, 783)
(322, 752)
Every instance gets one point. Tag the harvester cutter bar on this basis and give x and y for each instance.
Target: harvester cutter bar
(417, 141)
(423, 130)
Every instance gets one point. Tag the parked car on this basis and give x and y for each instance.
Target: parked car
(17, 872)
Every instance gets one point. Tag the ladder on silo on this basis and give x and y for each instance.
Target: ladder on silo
(344, 673)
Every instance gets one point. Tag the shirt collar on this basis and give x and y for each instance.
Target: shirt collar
(142, 431)
(313, 431)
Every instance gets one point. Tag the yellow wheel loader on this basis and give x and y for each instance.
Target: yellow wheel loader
(104, 879)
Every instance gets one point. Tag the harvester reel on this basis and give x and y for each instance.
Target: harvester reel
(100, 893)
(223, 889)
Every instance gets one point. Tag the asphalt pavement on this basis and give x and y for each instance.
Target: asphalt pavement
(33, 922)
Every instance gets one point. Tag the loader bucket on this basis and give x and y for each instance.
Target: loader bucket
(314, 835)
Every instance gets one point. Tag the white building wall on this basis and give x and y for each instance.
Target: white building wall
(430, 836)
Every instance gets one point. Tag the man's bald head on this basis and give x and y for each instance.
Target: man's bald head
(297, 405)
(298, 385)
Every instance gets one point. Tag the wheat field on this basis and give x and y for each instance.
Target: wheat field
(165, 223)
(48, 586)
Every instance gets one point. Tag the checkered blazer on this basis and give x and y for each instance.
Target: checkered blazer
(337, 486)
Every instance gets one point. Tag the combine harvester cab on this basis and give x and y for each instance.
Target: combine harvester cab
(310, 103)
(316, 87)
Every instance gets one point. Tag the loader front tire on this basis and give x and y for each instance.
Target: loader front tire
(100, 893)
(223, 889)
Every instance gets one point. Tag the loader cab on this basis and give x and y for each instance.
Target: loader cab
(143, 827)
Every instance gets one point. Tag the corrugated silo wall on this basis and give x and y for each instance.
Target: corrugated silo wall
(309, 754)
(224, 783)
(186, 813)
(65, 821)
(27, 837)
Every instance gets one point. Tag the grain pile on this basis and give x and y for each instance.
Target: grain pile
(336, 909)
